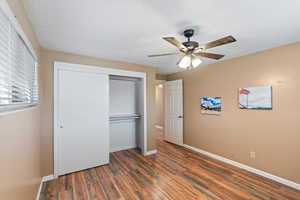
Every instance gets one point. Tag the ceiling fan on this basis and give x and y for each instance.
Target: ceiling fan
(192, 50)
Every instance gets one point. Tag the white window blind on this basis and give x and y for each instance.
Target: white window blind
(18, 71)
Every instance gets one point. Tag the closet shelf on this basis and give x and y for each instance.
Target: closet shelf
(124, 117)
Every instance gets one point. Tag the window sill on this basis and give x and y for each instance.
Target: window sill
(18, 109)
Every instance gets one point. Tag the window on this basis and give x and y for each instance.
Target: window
(18, 69)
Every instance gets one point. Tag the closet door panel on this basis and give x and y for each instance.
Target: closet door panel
(84, 120)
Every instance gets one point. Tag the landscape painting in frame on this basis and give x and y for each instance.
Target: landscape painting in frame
(211, 105)
(256, 98)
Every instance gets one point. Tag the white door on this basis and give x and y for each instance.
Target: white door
(174, 112)
(83, 120)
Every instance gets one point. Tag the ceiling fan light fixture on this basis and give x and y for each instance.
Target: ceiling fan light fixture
(196, 61)
(185, 62)
(189, 62)
(193, 51)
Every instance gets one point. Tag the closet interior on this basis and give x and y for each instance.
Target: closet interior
(126, 109)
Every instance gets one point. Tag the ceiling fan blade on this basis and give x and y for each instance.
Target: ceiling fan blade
(175, 42)
(163, 54)
(209, 55)
(222, 41)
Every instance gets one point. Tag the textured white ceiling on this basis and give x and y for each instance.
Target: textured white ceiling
(129, 30)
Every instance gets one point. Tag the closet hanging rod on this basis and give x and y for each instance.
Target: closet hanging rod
(124, 118)
(123, 78)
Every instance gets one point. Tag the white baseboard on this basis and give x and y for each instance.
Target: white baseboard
(43, 180)
(159, 127)
(246, 167)
(148, 153)
(122, 148)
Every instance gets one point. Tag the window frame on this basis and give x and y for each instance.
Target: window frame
(5, 8)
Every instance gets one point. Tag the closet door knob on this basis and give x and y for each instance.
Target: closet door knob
(60, 126)
(180, 116)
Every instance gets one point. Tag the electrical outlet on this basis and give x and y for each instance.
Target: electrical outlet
(252, 154)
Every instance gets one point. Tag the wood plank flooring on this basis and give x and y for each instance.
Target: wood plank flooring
(173, 173)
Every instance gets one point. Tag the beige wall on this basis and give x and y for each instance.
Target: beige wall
(159, 103)
(274, 135)
(48, 58)
(161, 77)
(20, 138)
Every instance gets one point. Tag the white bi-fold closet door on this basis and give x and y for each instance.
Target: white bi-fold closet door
(90, 120)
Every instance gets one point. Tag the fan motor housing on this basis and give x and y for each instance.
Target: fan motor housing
(191, 44)
(188, 33)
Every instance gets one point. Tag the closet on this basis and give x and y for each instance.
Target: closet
(96, 111)
(126, 111)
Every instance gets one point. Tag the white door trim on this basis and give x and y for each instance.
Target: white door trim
(87, 68)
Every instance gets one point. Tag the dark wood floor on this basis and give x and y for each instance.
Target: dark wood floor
(173, 173)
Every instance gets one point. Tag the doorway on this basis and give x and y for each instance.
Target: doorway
(173, 126)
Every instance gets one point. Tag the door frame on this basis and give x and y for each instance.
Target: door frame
(58, 66)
